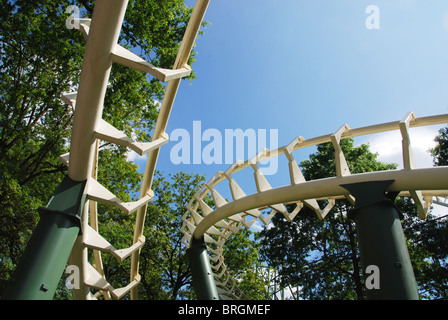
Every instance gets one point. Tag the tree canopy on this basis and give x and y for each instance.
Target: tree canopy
(440, 151)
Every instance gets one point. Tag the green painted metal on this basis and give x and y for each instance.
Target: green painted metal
(43, 262)
(203, 281)
(381, 241)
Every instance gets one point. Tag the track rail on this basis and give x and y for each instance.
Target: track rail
(227, 217)
(102, 51)
(200, 220)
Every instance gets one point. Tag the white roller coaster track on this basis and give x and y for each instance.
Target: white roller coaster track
(102, 50)
(216, 225)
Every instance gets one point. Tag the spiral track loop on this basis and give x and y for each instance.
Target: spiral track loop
(227, 217)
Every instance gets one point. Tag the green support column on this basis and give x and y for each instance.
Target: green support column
(43, 262)
(382, 245)
(203, 282)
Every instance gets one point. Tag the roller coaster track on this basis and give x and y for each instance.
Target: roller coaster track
(200, 220)
(102, 50)
(215, 225)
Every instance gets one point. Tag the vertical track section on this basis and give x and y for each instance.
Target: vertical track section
(102, 50)
(103, 36)
(162, 121)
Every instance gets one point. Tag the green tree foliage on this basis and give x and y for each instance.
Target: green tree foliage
(428, 250)
(164, 269)
(39, 60)
(321, 258)
(440, 151)
(432, 234)
(241, 258)
(33, 121)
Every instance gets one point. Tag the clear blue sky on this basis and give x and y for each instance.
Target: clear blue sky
(307, 67)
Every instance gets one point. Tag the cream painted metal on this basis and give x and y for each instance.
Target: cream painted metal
(216, 225)
(102, 50)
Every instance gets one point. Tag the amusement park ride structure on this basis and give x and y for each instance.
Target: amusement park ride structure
(68, 227)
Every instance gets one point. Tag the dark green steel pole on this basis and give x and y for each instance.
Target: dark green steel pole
(382, 243)
(201, 272)
(43, 262)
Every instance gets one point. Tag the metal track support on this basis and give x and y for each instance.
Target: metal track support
(203, 281)
(43, 262)
(383, 249)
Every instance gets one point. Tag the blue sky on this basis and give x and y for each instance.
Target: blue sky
(304, 68)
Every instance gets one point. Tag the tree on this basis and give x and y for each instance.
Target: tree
(432, 234)
(428, 250)
(241, 258)
(34, 122)
(440, 151)
(164, 268)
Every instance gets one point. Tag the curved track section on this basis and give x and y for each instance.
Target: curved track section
(216, 225)
(102, 51)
